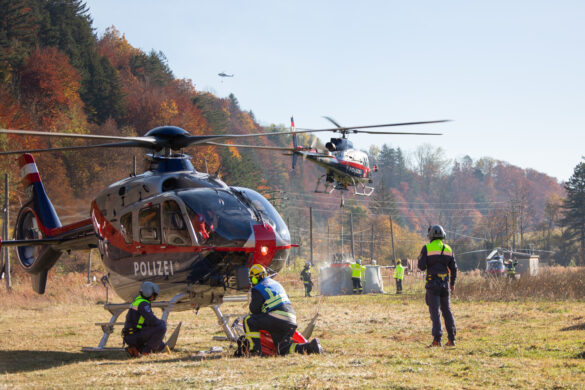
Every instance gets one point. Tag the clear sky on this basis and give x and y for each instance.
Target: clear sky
(510, 74)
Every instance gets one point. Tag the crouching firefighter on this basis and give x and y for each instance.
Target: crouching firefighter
(143, 331)
(271, 310)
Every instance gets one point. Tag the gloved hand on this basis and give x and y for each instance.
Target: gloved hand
(452, 288)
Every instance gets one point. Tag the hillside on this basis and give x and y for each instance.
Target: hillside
(57, 75)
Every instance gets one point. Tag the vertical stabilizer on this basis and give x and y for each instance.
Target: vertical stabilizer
(35, 191)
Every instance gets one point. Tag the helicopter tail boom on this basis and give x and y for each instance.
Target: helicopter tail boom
(39, 236)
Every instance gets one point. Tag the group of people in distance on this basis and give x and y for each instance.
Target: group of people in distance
(271, 309)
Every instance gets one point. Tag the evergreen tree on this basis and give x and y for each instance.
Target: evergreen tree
(574, 206)
(66, 24)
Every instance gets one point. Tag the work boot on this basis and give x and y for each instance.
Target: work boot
(435, 343)
(257, 348)
(132, 351)
(450, 343)
(314, 347)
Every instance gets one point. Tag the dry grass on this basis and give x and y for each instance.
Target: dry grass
(372, 341)
(551, 283)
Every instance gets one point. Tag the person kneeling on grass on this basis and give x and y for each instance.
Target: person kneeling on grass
(143, 331)
(271, 310)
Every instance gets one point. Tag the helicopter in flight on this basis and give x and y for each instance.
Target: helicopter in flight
(187, 231)
(345, 167)
(224, 74)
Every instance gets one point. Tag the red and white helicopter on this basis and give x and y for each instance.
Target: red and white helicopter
(345, 166)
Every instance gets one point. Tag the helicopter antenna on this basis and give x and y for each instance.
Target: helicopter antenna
(134, 165)
(217, 172)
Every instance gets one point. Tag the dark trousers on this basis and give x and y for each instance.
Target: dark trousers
(398, 286)
(308, 288)
(280, 330)
(149, 339)
(357, 285)
(436, 302)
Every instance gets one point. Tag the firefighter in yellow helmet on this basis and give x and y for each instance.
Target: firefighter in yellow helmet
(399, 276)
(357, 273)
(271, 310)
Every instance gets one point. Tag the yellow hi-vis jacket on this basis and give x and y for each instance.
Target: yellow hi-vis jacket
(356, 270)
(399, 272)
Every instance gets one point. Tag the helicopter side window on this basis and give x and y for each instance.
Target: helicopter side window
(149, 222)
(126, 227)
(174, 228)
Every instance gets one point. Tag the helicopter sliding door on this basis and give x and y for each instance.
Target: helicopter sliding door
(173, 225)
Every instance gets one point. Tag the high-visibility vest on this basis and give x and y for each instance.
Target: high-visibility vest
(356, 270)
(399, 272)
(139, 299)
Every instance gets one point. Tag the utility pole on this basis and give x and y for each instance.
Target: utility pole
(341, 237)
(328, 253)
(311, 233)
(5, 252)
(351, 231)
(392, 235)
(89, 268)
(372, 245)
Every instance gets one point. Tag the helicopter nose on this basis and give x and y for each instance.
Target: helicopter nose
(265, 244)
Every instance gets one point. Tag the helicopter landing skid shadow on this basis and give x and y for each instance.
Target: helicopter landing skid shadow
(27, 361)
(574, 327)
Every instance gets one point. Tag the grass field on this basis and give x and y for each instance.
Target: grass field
(371, 341)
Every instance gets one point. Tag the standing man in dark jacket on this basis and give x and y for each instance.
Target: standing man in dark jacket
(143, 332)
(271, 310)
(306, 278)
(438, 260)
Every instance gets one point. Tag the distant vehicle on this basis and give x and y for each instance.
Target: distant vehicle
(524, 263)
(496, 267)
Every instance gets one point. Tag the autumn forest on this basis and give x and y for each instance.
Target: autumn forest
(58, 75)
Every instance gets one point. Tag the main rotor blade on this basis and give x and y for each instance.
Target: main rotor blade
(250, 146)
(146, 141)
(112, 145)
(333, 121)
(349, 129)
(203, 139)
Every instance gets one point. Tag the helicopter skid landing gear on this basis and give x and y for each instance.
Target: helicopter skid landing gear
(363, 190)
(116, 309)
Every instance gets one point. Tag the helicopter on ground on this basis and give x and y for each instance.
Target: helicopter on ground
(345, 166)
(187, 231)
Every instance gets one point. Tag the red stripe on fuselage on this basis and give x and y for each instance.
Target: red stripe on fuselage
(55, 232)
(106, 231)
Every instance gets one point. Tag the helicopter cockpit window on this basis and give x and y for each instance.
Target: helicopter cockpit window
(174, 227)
(126, 227)
(149, 222)
(268, 212)
(217, 216)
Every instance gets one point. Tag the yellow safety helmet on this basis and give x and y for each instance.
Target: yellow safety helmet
(257, 273)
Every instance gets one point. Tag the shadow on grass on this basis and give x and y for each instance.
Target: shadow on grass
(25, 361)
(574, 327)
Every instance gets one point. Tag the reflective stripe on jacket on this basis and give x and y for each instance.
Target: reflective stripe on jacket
(273, 294)
(399, 272)
(356, 270)
(137, 301)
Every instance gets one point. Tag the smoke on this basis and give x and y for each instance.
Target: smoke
(336, 280)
